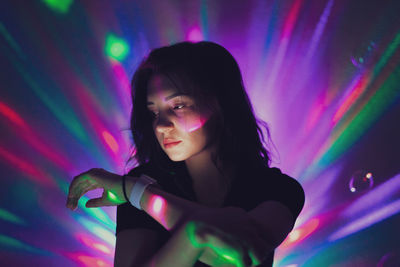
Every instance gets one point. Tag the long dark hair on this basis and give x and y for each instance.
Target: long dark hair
(210, 74)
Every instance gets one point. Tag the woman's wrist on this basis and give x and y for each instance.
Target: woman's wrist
(129, 183)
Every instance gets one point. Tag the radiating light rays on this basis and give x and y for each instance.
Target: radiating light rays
(283, 44)
(204, 19)
(381, 95)
(97, 213)
(367, 220)
(377, 197)
(355, 90)
(24, 132)
(94, 244)
(316, 37)
(97, 230)
(84, 260)
(14, 243)
(60, 109)
(316, 193)
(10, 114)
(64, 60)
(27, 168)
(10, 217)
(11, 41)
(123, 82)
(99, 128)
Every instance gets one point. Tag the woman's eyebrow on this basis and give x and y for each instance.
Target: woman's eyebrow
(169, 97)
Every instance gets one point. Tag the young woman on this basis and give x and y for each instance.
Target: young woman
(203, 193)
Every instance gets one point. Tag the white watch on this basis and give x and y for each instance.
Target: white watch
(138, 190)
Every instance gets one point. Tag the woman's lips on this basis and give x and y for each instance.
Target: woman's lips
(171, 144)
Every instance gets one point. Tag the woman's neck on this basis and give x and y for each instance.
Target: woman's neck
(205, 174)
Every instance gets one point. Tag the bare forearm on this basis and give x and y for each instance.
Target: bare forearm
(178, 251)
(167, 209)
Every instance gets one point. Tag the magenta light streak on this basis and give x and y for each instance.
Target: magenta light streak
(84, 260)
(283, 44)
(30, 170)
(291, 20)
(90, 242)
(26, 133)
(88, 108)
(123, 82)
(367, 220)
(356, 88)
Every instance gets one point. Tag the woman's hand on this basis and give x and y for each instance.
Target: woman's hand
(229, 236)
(94, 179)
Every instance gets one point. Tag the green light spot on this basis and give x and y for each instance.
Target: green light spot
(17, 244)
(61, 6)
(112, 197)
(7, 216)
(116, 48)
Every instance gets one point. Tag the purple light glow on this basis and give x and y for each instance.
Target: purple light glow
(367, 220)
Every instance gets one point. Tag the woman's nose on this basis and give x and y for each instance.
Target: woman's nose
(163, 124)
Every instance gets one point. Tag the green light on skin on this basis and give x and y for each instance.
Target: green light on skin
(116, 48)
(230, 255)
(112, 197)
(61, 6)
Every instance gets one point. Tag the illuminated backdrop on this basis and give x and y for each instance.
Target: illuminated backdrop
(325, 75)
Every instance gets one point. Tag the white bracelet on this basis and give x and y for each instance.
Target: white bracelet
(138, 190)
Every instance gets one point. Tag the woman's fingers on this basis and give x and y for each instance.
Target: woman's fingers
(79, 186)
(258, 249)
(228, 249)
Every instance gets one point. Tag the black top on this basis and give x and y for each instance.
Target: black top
(261, 184)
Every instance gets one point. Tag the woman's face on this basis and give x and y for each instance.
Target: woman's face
(178, 122)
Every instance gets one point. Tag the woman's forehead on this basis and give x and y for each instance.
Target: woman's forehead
(161, 86)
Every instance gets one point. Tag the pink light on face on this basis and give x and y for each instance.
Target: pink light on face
(111, 142)
(197, 125)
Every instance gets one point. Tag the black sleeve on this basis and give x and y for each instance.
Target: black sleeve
(129, 217)
(282, 188)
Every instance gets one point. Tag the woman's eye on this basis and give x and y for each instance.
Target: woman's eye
(177, 107)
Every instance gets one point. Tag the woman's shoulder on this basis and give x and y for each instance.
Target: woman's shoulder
(281, 187)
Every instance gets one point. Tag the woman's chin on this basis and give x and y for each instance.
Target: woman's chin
(176, 157)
